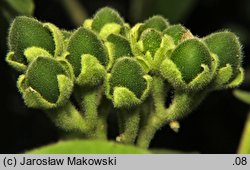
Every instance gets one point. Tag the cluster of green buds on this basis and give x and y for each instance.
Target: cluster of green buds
(70, 74)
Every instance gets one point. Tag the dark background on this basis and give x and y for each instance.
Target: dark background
(215, 127)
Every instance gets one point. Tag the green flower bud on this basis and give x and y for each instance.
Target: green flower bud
(156, 22)
(27, 32)
(84, 41)
(228, 49)
(105, 16)
(190, 67)
(177, 32)
(42, 76)
(151, 40)
(46, 84)
(128, 73)
(127, 83)
(189, 56)
(92, 72)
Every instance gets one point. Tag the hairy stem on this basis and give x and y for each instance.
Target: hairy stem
(182, 104)
(101, 128)
(130, 123)
(89, 107)
(145, 109)
(163, 116)
(85, 121)
(103, 112)
(149, 126)
(158, 93)
(68, 118)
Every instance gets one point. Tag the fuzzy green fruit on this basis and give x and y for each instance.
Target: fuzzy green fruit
(42, 76)
(188, 57)
(227, 47)
(85, 41)
(128, 73)
(104, 16)
(27, 32)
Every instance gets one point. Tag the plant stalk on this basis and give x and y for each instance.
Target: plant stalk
(182, 104)
(129, 123)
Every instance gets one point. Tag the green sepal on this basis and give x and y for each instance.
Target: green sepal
(151, 40)
(172, 74)
(92, 72)
(105, 16)
(115, 88)
(118, 46)
(128, 73)
(140, 47)
(167, 42)
(85, 41)
(124, 98)
(46, 84)
(146, 61)
(110, 49)
(34, 99)
(18, 66)
(222, 77)
(165, 50)
(145, 64)
(67, 66)
(42, 76)
(239, 78)
(177, 32)
(146, 92)
(152, 63)
(202, 79)
(87, 23)
(159, 56)
(21, 83)
(215, 63)
(27, 32)
(32, 53)
(133, 37)
(57, 37)
(227, 47)
(188, 56)
(242, 95)
(111, 28)
(156, 22)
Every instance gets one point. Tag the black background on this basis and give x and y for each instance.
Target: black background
(215, 127)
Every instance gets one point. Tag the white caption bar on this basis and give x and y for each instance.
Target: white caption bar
(125, 162)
